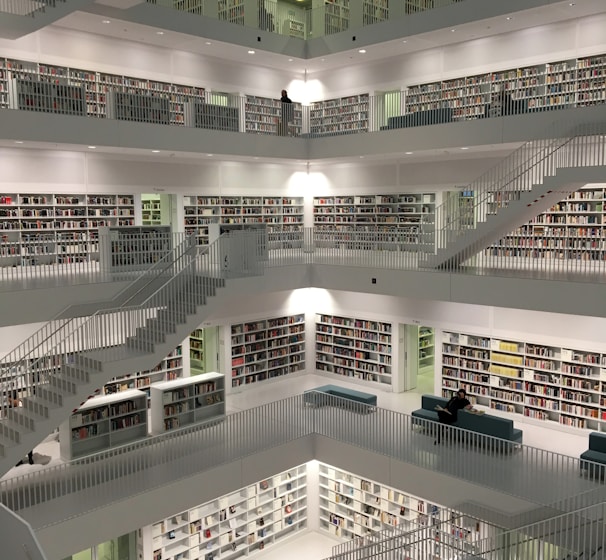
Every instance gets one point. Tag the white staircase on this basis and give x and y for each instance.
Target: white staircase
(527, 183)
(68, 361)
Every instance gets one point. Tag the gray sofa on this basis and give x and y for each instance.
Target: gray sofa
(485, 424)
(595, 454)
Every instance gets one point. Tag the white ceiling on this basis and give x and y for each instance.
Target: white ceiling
(549, 14)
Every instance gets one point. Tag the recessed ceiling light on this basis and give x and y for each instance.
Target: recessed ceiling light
(209, 155)
(290, 60)
(452, 30)
(92, 147)
(18, 141)
(155, 151)
(408, 153)
(571, 4)
(106, 21)
(208, 43)
(509, 18)
(250, 51)
(361, 157)
(464, 148)
(404, 41)
(323, 59)
(159, 32)
(362, 51)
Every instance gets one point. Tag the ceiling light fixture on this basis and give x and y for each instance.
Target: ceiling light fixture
(159, 32)
(155, 151)
(464, 148)
(250, 51)
(571, 4)
(404, 41)
(452, 30)
(509, 18)
(208, 43)
(408, 153)
(290, 60)
(18, 141)
(106, 21)
(92, 147)
(362, 51)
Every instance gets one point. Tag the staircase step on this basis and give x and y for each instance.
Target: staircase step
(38, 406)
(172, 316)
(51, 395)
(141, 345)
(162, 325)
(90, 364)
(65, 384)
(150, 334)
(75, 372)
(24, 417)
(11, 430)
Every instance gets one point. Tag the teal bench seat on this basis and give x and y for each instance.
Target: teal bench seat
(595, 454)
(315, 397)
(485, 424)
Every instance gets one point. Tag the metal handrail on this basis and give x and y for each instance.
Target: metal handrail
(20, 368)
(533, 475)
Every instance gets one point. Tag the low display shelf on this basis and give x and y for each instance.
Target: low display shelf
(103, 422)
(267, 348)
(168, 369)
(355, 348)
(190, 400)
(544, 382)
(235, 525)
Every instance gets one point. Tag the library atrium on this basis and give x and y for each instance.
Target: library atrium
(251, 248)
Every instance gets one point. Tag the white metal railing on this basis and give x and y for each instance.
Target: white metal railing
(26, 7)
(304, 23)
(574, 535)
(567, 145)
(534, 475)
(38, 87)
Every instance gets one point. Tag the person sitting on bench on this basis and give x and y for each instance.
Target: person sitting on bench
(448, 414)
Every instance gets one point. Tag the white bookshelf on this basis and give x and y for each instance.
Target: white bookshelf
(354, 348)
(267, 349)
(375, 11)
(405, 220)
(279, 214)
(553, 384)
(263, 115)
(235, 525)
(103, 422)
(339, 116)
(170, 368)
(190, 400)
(425, 350)
(573, 229)
(47, 229)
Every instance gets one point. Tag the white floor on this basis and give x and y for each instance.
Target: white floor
(310, 545)
(571, 443)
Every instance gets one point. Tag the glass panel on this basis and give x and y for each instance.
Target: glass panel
(84, 555)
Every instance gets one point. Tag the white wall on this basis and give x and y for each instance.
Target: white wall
(549, 43)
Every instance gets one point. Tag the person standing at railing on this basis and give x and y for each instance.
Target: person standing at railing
(14, 402)
(287, 113)
(448, 415)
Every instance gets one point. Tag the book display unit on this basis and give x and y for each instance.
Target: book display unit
(573, 229)
(103, 422)
(234, 525)
(168, 369)
(232, 11)
(336, 15)
(197, 358)
(339, 116)
(354, 348)
(151, 210)
(280, 214)
(576, 82)
(543, 382)
(139, 107)
(406, 220)
(178, 403)
(47, 229)
(263, 115)
(267, 349)
(425, 350)
(48, 97)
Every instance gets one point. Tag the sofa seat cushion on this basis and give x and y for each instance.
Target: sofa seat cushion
(595, 456)
(425, 414)
(486, 424)
(346, 393)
